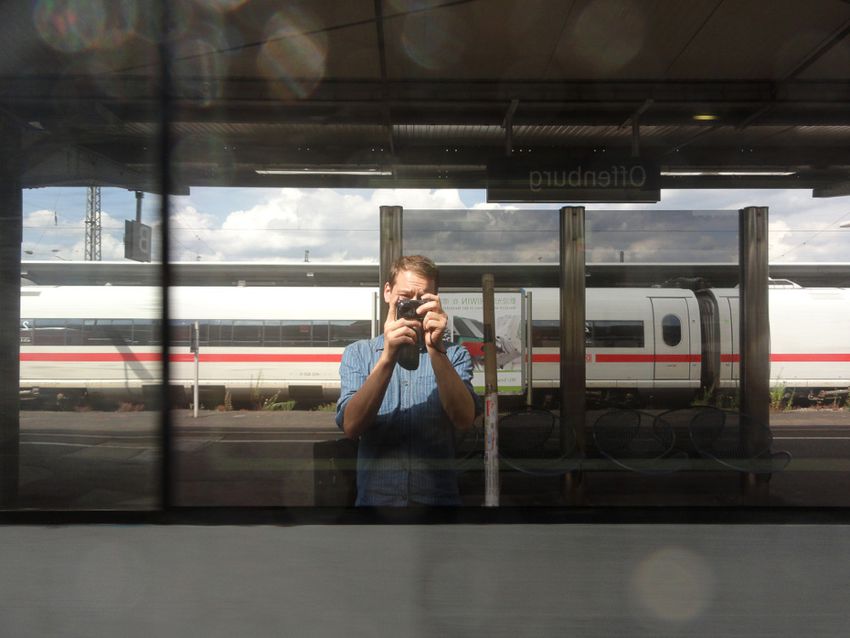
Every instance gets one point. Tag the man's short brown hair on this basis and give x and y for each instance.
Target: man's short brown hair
(419, 264)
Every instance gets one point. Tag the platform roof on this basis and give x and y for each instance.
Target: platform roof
(424, 93)
(452, 275)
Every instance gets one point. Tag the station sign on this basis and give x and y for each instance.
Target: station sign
(603, 178)
(137, 241)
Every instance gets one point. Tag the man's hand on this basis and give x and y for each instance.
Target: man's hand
(434, 321)
(398, 332)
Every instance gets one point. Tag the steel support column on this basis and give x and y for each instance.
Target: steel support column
(572, 391)
(754, 328)
(11, 228)
(390, 250)
(491, 394)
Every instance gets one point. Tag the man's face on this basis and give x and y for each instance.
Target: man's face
(408, 285)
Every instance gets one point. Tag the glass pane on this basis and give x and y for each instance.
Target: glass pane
(221, 333)
(668, 419)
(90, 374)
(296, 333)
(621, 333)
(271, 333)
(247, 333)
(181, 333)
(343, 333)
(49, 332)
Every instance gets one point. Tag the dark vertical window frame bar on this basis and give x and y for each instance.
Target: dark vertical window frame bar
(167, 469)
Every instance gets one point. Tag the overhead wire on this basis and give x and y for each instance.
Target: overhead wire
(825, 229)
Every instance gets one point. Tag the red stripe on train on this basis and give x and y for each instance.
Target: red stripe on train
(626, 358)
(545, 358)
(820, 358)
(179, 358)
(259, 358)
(648, 358)
(795, 358)
(90, 356)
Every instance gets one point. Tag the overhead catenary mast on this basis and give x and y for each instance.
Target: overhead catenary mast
(93, 224)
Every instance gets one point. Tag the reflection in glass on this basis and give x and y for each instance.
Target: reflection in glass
(90, 363)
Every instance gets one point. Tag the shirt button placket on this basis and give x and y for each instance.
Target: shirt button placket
(406, 404)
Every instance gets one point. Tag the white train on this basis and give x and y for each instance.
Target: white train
(256, 341)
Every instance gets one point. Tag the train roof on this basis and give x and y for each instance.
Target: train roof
(244, 303)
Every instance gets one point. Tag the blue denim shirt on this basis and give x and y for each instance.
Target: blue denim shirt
(407, 455)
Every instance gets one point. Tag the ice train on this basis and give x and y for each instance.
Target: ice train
(103, 341)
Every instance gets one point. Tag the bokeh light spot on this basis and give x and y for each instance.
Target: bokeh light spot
(293, 55)
(72, 26)
(433, 40)
(609, 34)
(673, 584)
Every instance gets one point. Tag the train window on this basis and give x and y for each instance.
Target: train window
(203, 333)
(73, 332)
(121, 331)
(94, 333)
(143, 332)
(320, 334)
(671, 330)
(49, 332)
(614, 334)
(221, 332)
(181, 333)
(343, 333)
(149, 326)
(597, 334)
(247, 333)
(271, 333)
(546, 333)
(296, 333)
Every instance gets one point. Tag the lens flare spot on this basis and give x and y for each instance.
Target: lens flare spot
(199, 69)
(294, 54)
(609, 34)
(432, 41)
(72, 26)
(673, 584)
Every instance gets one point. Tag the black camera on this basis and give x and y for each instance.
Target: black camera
(408, 356)
(406, 309)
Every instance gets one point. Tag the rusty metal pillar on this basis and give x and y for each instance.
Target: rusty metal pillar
(491, 394)
(755, 333)
(572, 304)
(11, 229)
(390, 250)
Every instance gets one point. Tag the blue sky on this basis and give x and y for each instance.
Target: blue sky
(335, 225)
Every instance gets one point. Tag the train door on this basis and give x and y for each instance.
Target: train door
(734, 357)
(672, 353)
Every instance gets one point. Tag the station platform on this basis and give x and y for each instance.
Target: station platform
(99, 460)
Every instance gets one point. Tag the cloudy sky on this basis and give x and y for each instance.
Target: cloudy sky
(336, 225)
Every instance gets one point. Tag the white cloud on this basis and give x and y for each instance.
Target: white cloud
(40, 218)
(333, 225)
(49, 235)
(279, 225)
